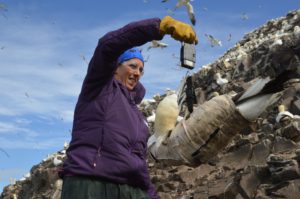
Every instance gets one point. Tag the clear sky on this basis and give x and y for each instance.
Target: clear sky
(45, 46)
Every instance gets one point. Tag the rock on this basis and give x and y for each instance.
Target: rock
(261, 163)
(282, 144)
(260, 152)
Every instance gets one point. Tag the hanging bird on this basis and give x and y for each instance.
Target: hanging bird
(157, 44)
(213, 41)
(220, 81)
(166, 115)
(283, 115)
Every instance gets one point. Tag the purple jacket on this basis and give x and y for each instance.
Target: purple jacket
(109, 138)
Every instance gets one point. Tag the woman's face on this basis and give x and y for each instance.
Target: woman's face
(129, 72)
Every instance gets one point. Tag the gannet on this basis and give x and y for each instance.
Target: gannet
(263, 93)
(151, 118)
(156, 44)
(189, 8)
(166, 116)
(56, 161)
(283, 114)
(244, 16)
(220, 81)
(213, 41)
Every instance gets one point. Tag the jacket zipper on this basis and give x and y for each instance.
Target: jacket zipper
(99, 149)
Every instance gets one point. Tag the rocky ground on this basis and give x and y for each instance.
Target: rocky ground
(262, 161)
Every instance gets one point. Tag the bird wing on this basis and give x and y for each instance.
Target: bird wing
(191, 13)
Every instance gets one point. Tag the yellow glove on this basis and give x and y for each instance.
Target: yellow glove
(178, 30)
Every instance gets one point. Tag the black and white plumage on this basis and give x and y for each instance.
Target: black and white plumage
(263, 93)
(189, 9)
(219, 80)
(157, 44)
(283, 114)
(213, 41)
(166, 116)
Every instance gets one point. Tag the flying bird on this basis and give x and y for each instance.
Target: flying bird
(157, 44)
(189, 8)
(229, 37)
(4, 152)
(213, 41)
(26, 94)
(244, 16)
(4, 9)
(84, 59)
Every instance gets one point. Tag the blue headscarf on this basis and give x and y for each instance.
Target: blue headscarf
(129, 54)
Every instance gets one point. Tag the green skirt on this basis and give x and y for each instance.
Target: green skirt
(75, 187)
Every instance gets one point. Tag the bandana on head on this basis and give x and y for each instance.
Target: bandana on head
(130, 54)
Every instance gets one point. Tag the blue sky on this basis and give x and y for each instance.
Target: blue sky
(45, 46)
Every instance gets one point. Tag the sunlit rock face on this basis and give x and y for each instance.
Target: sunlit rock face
(261, 162)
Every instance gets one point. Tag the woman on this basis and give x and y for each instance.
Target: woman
(107, 154)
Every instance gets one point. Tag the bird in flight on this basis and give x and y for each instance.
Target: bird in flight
(213, 41)
(157, 44)
(189, 8)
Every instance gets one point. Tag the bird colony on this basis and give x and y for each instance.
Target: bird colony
(260, 160)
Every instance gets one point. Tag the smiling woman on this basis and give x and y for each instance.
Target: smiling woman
(130, 72)
(108, 151)
(130, 68)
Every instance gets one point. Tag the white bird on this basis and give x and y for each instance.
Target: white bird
(166, 115)
(157, 44)
(213, 41)
(283, 114)
(241, 54)
(220, 81)
(244, 16)
(56, 161)
(277, 42)
(27, 175)
(189, 8)
(151, 118)
(66, 145)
